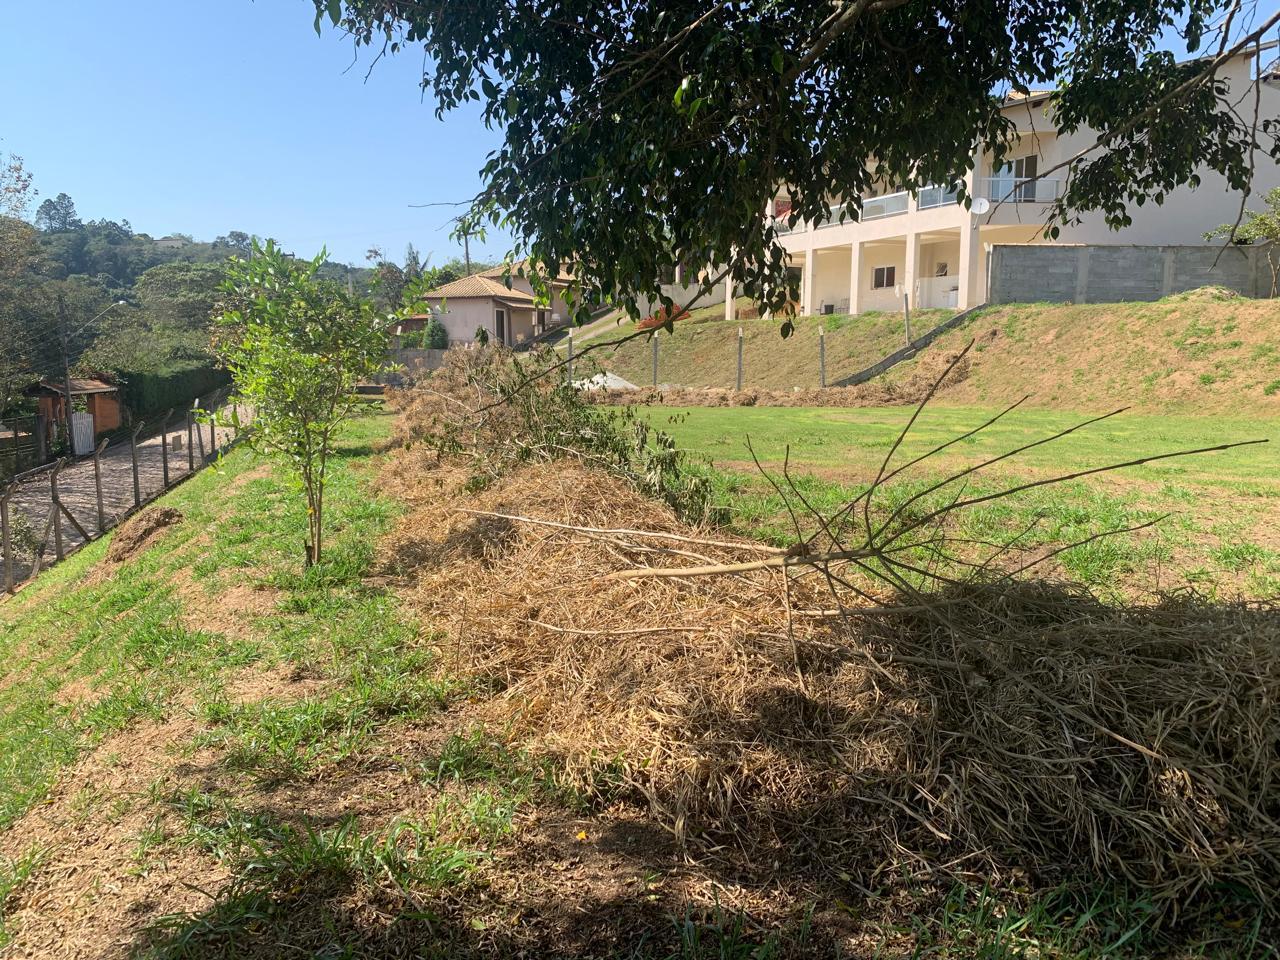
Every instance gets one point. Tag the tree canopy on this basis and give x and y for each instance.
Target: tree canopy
(57, 214)
(643, 132)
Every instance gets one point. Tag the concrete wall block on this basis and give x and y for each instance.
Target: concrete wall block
(1099, 273)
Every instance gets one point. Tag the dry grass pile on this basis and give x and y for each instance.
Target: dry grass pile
(1022, 729)
(497, 410)
(771, 701)
(881, 392)
(140, 531)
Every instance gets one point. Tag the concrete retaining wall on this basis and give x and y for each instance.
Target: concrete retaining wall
(1094, 273)
(682, 293)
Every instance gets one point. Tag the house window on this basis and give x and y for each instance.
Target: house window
(500, 320)
(1016, 180)
(883, 278)
(940, 269)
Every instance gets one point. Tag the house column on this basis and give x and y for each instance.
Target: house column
(809, 284)
(730, 308)
(855, 279)
(971, 291)
(911, 267)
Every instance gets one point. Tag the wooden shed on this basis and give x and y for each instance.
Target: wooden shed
(101, 401)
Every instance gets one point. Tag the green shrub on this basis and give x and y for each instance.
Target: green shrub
(436, 337)
(149, 393)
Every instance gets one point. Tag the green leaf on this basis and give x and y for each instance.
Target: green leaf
(777, 62)
(678, 99)
(335, 11)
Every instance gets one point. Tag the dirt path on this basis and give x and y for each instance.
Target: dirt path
(32, 502)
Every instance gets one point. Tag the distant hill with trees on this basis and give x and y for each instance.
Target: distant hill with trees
(57, 269)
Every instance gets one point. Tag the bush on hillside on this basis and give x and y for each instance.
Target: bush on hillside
(147, 393)
(436, 337)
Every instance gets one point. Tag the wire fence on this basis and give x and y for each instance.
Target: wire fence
(20, 444)
(48, 513)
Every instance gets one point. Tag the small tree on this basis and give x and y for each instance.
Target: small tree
(437, 337)
(482, 336)
(296, 346)
(1261, 228)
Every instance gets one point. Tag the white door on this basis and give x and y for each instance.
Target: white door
(81, 434)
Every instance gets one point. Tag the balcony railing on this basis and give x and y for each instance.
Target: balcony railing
(935, 197)
(832, 218)
(890, 205)
(1013, 190)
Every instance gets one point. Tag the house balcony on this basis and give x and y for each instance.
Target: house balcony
(1013, 190)
(890, 205)
(936, 197)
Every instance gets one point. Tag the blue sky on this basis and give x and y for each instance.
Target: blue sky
(204, 117)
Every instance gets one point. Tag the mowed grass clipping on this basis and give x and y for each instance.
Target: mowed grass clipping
(1219, 531)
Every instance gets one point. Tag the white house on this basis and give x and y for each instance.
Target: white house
(482, 301)
(932, 247)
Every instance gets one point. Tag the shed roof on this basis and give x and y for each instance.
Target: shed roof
(79, 386)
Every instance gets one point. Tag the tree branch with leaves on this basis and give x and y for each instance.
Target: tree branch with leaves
(645, 133)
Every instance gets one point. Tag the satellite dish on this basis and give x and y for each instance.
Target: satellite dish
(981, 205)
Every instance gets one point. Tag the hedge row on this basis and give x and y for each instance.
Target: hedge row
(148, 393)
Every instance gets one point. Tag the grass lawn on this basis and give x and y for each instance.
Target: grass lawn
(188, 680)
(1221, 533)
(224, 755)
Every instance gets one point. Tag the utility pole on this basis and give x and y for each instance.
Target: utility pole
(465, 231)
(66, 373)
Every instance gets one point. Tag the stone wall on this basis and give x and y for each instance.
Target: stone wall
(1095, 273)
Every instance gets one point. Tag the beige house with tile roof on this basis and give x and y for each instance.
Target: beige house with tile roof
(510, 315)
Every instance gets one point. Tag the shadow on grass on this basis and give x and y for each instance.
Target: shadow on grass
(1026, 772)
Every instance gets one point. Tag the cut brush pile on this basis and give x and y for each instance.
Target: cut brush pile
(822, 711)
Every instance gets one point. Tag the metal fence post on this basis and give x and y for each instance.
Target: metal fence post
(133, 455)
(199, 433)
(213, 436)
(569, 362)
(906, 313)
(822, 357)
(164, 447)
(57, 513)
(191, 442)
(97, 484)
(655, 360)
(6, 545)
(739, 358)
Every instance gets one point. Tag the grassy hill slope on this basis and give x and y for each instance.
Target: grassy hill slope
(1199, 352)
(703, 350)
(1205, 351)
